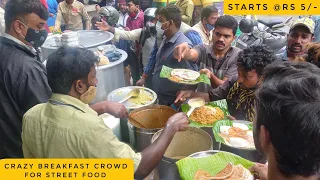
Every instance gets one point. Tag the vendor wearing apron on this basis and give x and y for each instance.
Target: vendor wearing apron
(67, 127)
(239, 91)
(219, 58)
(169, 22)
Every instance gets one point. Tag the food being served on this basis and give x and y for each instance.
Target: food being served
(144, 97)
(230, 172)
(238, 135)
(207, 115)
(103, 60)
(184, 75)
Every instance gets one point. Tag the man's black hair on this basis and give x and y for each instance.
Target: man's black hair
(227, 21)
(67, 65)
(18, 9)
(288, 105)
(172, 12)
(207, 11)
(135, 2)
(256, 58)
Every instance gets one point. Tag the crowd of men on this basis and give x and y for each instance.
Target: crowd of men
(46, 112)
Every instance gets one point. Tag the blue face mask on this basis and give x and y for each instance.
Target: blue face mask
(209, 26)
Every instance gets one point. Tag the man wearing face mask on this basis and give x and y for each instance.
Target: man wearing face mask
(239, 91)
(69, 128)
(209, 16)
(145, 36)
(219, 59)
(23, 81)
(301, 33)
(169, 21)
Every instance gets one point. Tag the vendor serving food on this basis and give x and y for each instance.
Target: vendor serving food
(67, 127)
(239, 91)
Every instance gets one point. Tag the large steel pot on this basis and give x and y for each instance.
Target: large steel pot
(183, 144)
(110, 77)
(118, 95)
(249, 154)
(154, 117)
(87, 39)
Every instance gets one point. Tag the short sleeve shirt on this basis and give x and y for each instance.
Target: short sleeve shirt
(73, 130)
(225, 67)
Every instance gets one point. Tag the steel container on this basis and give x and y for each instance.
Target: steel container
(137, 137)
(183, 144)
(154, 117)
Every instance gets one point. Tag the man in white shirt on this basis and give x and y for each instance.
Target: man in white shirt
(2, 23)
(209, 16)
(123, 13)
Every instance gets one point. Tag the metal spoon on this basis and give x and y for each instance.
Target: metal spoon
(133, 93)
(195, 103)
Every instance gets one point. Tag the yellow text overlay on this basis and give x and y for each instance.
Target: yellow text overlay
(84, 169)
(271, 7)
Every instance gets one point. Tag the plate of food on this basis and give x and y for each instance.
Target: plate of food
(237, 134)
(221, 165)
(146, 97)
(207, 115)
(184, 76)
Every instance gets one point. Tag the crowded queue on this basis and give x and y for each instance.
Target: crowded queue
(47, 112)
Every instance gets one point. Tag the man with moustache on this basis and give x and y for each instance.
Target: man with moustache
(219, 58)
(301, 33)
(287, 125)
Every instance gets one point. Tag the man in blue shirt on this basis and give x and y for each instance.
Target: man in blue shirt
(169, 23)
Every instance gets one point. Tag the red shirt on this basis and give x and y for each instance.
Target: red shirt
(44, 2)
(137, 22)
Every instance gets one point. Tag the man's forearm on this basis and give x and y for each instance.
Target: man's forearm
(112, 30)
(215, 81)
(153, 153)
(99, 107)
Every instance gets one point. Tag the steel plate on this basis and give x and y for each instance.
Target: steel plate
(121, 93)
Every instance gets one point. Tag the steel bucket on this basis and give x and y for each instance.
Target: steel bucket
(183, 144)
(154, 117)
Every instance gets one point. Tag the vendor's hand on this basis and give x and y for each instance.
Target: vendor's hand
(207, 72)
(126, 29)
(180, 51)
(178, 122)
(116, 109)
(104, 26)
(141, 82)
(51, 15)
(260, 171)
(183, 96)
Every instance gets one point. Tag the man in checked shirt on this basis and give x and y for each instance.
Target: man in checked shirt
(72, 12)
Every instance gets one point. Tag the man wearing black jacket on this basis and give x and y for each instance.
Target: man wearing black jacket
(23, 79)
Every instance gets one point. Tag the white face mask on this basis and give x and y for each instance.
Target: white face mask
(160, 31)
